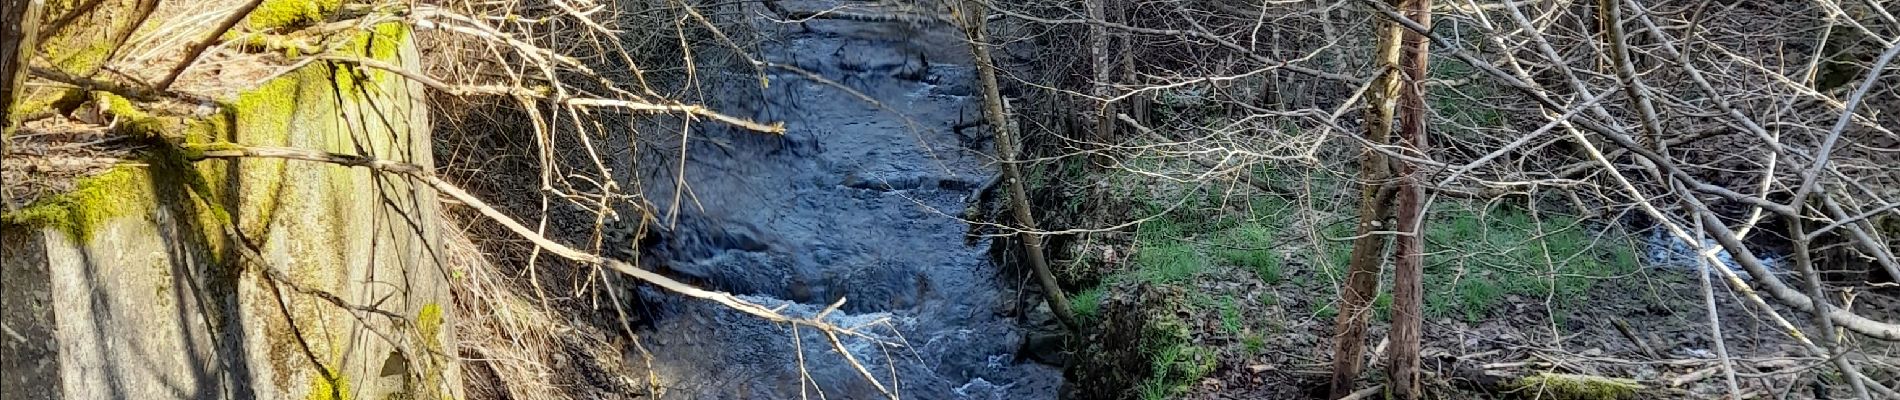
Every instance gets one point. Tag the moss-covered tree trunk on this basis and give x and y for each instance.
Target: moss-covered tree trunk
(1409, 267)
(1362, 276)
(16, 38)
(973, 23)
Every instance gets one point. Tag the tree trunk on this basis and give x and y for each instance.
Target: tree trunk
(16, 50)
(1409, 268)
(1102, 62)
(973, 23)
(1362, 276)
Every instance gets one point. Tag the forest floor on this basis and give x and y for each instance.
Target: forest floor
(1234, 292)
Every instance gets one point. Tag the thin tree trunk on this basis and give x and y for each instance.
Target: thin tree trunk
(974, 25)
(16, 49)
(1829, 337)
(1409, 269)
(1102, 61)
(1137, 105)
(1626, 73)
(1362, 276)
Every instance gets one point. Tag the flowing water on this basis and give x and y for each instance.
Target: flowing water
(857, 200)
(1668, 251)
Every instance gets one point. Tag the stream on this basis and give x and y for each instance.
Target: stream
(856, 201)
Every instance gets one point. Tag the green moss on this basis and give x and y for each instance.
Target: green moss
(118, 106)
(1382, 306)
(326, 389)
(1577, 387)
(81, 61)
(267, 108)
(129, 119)
(382, 42)
(213, 129)
(43, 103)
(93, 201)
(267, 115)
(429, 323)
(126, 188)
(1175, 363)
(274, 14)
(293, 44)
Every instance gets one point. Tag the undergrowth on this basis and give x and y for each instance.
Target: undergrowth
(1478, 257)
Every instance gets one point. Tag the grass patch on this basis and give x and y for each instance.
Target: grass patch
(1249, 247)
(1338, 252)
(1176, 363)
(1254, 344)
(1324, 310)
(1229, 315)
(1169, 262)
(1479, 257)
(1465, 108)
(1087, 303)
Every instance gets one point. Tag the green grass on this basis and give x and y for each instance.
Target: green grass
(1323, 310)
(1478, 258)
(1254, 344)
(1463, 108)
(1087, 303)
(1475, 297)
(1382, 306)
(1248, 247)
(1230, 315)
(1169, 262)
(1338, 252)
(1175, 368)
(1175, 362)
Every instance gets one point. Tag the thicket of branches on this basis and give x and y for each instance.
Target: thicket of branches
(1749, 128)
(1741, 127)
(538, 105)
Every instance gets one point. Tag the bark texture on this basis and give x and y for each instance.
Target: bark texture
(1409, 266)
(16, 44)
(1368, 247)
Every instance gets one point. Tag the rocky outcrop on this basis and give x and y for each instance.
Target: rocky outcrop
(129, 285)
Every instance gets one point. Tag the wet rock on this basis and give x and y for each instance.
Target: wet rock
(856, 210)
(1047, 348)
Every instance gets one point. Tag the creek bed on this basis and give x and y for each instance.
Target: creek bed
(857, 200)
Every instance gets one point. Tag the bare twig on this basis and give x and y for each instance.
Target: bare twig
(198, 48)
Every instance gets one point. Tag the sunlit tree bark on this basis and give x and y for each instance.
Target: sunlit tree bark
(1409, 267)
(1375, 199)
(15, 39)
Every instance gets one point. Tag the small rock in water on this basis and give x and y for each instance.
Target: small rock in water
(978, 388)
